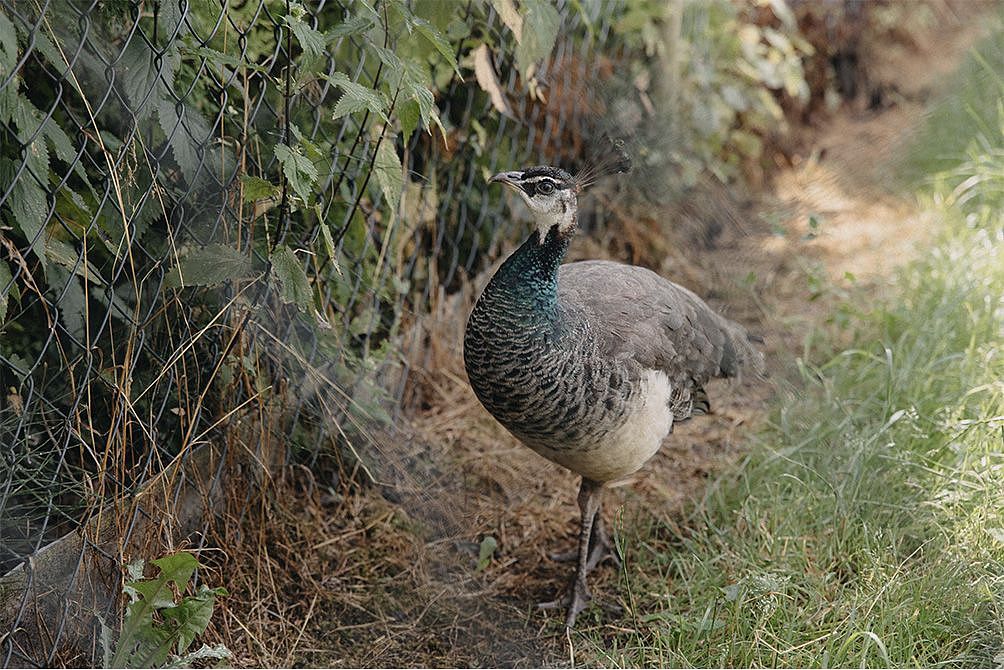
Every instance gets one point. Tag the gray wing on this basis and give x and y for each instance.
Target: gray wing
(639, 315)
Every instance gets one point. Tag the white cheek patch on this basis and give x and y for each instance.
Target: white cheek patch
(560, 212)
(567, 218)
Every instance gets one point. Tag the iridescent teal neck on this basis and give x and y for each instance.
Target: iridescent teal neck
(528, 280)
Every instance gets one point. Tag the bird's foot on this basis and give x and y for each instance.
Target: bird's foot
(563, 556)
(575, 600)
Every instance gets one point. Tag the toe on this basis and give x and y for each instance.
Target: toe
(554, 604)
(580, 598)
(563, 556)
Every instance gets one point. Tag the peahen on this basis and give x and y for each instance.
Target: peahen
(590, 363)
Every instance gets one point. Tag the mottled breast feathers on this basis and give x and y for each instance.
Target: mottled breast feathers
(590, 363)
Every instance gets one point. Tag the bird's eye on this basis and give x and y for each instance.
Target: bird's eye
(545, 187)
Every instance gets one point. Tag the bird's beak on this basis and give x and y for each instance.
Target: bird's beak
(507, 178)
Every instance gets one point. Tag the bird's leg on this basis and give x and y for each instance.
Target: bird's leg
(601, 547)
(578, 595)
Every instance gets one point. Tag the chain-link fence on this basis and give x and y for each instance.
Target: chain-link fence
(228, 232)
(218, 228)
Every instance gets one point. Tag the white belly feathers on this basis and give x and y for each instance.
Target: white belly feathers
(629, 447)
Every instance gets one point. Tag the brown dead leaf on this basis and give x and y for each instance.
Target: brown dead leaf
(510, 16)
(489, 83)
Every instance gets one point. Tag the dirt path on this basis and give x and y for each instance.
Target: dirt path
(829, 222)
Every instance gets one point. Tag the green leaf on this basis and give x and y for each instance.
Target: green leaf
(29, 121)
(540, 30)
(393, 63)
(69, 298)
(187, 134)
(311, 41)
(355, 97)
(142, 207)
(68, 257)
(115, 304)
(209, 265)
(55, 57)
(299, 170)
(312, 151)
(190, 617)
(294, 287)
(146, 641)
(367, 7)
(6, 288)
(350, 27)
(415, 94)
(73, 308)
(408, 114)
(218, 59)
(178, 568)
(63, 147)
(329, 246)
(256, 188)
(457, 30)
(143, 643)
(146, 80)
(436, 12)
(417, 89)
(19, 366)
(389, 173)
(29, 210)
(486, 551)
(8, 47)
(9, 95)
(354, 237)
(105, 639)
(436, 39)
(422, 94)
(171, 18)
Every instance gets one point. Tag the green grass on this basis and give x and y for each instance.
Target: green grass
(866, 527)
(966, 120)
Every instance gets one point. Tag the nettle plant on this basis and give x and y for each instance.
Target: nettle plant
(360, 183)
(352, 195)
(335, 187)
(178, 81)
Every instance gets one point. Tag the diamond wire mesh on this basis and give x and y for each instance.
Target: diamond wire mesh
(124, 141)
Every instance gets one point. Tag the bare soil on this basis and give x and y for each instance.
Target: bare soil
(392, 578)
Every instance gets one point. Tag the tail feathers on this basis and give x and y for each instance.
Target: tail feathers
(702, 404)
(739, 357)
(685, 403)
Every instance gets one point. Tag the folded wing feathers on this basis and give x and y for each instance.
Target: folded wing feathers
(659, 324)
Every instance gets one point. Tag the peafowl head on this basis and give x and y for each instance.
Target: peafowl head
(549, 192)
(552, 194)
